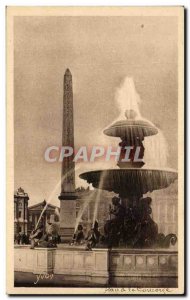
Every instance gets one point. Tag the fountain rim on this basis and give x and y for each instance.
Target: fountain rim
(124, 124)
(169, 170)
(94, 178)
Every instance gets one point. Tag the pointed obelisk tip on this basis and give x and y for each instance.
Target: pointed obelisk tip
(68, 72)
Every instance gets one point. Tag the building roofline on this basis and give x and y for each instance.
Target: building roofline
(40, 203)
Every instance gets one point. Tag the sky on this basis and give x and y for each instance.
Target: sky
(100, 53)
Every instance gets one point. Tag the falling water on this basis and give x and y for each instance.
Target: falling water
(48, 201)
(127, 98)
(97, 200)
(83, 208)
(156, 153)
(51, 196)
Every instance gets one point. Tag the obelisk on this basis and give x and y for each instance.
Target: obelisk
(67, 196)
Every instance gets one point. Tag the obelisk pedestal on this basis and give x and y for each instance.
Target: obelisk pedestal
(67, 196)
(67, 219)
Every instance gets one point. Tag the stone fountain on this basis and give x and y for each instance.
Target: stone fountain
(133, 226)
(132, 253)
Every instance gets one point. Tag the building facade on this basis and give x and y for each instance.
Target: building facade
(20, 211)
(165, 209)
(35, 211)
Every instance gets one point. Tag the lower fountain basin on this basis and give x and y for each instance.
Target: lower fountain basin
(130, 181)
(100, 267)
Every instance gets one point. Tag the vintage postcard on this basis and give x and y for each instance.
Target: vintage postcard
(95, 150)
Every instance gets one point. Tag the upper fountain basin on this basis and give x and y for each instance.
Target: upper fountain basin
(130, 128)
(132, 181)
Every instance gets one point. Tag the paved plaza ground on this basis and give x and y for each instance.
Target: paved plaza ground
(23, 279)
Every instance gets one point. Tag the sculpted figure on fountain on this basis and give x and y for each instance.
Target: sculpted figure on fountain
(78, 237)
(93, 237)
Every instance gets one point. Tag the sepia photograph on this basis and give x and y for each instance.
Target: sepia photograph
(95, 145)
